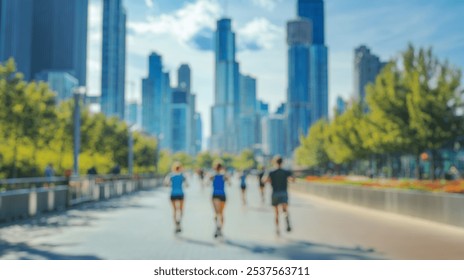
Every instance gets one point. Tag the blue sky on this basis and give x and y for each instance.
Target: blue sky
(181, 32)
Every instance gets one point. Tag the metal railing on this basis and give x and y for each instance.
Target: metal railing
(27, 197)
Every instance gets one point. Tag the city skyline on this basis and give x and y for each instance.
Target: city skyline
(182, 32)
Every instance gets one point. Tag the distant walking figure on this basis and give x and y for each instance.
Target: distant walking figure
(49, 173)
(279, 181)
(262, 184)
(219, 197)
(243, 185)
(176, 180)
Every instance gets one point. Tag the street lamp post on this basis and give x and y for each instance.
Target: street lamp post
(78, 92)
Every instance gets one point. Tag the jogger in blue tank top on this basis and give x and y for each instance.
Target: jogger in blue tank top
(219, 197)
(176, 180)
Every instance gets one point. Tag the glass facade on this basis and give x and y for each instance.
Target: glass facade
(181, 121)
(16, 33)
(62, 83)
(132, 113)
(226, 104)
(313, 10)
(46, 35)
(298, 109)
(183, 77)
(318, 83)
(152, 96)
(366, 68)
(113, 59)
(307, 92)
(273, 135)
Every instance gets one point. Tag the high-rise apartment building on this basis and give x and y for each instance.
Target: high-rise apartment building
(113, 59)
(366, 68)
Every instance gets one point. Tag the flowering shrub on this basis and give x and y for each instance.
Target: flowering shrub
(456, 186)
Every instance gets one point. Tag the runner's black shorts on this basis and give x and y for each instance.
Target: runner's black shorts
(279, 198)
(220, 197)
(243, 187)
(261, 185)
(177, 197)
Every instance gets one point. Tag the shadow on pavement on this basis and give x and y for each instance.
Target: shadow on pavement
(302, 250)
(22, 251)
(197, 242)
(15, 235)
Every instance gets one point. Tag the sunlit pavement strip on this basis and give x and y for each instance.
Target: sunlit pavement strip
(140, 226)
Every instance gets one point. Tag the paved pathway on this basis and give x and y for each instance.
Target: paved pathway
(139, 226)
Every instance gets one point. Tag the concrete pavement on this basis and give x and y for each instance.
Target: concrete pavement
(140, 226)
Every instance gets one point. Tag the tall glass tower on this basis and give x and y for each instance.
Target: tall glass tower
(298, 96)
(16, 33)
(307, 71)
(45, 35)
(152, 96)
(113, 59)
(226, 100)
(313, 10)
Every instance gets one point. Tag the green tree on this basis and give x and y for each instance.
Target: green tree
(413, 105)
(204, 160)
(311, 153)
(246, 160)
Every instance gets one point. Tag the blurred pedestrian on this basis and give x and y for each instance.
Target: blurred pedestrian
(219, 180)
(262, 184)
(243, 185)
(49, 174)
(278, 178)
(116, 170)
(176, 180)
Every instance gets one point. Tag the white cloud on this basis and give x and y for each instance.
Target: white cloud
(257, 34)
(149, 3)
(267, 4)
(182, 24)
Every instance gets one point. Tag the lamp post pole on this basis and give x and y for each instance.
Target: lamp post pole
(78, 92)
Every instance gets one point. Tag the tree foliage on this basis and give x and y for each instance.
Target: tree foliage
(412, 108)
(34, 131)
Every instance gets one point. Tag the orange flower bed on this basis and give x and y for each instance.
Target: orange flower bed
(456, 186)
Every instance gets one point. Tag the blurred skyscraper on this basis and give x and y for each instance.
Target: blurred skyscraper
(313, 10)
(366, 68)
(113, 59)
(45, 35)
(307, 71)
(247, 128)
(273, 129)
(184, 77)
(226, 100)
(298, 94)
(153, 97)
(16, 23)
(341, 105)
(132, 113)
(199, 133)
(62, 83)
(181, 121)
